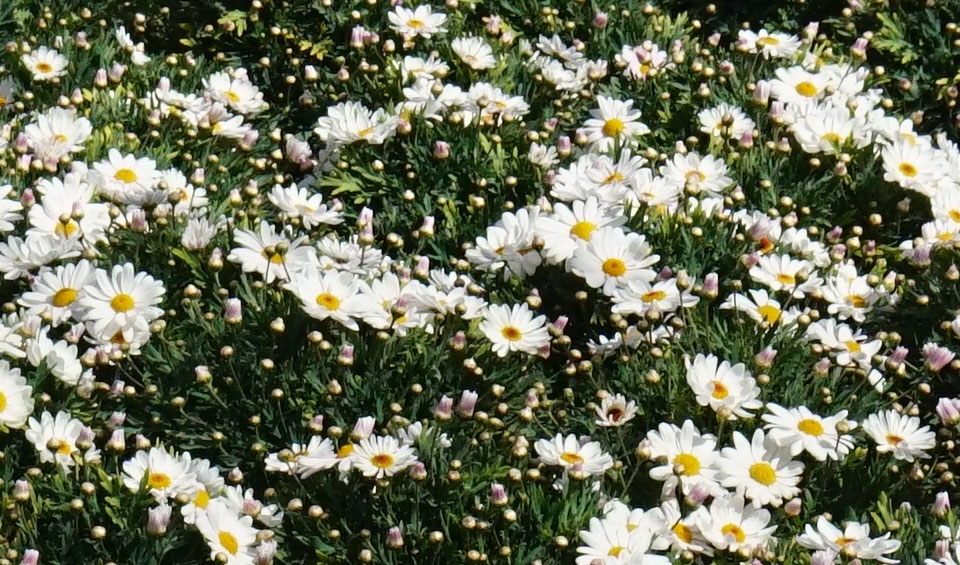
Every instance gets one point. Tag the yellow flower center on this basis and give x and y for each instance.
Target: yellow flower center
(644, 68)
(382, 460)
(894, 439)
(60, 138)
(3, 101)
(832, 138)
(328, 301)
(126, 175)
(691, 465)
(810, 427)
(770, 314)
(415, 23)
(614, 267)
(697, 176)
(571, 458)
(229, 542)
(64, 297)
(735, 531)
(202, 499)
(684, 533)
(511, 333)
(3, 402)
(856, 301)
(908, 170)
(582, 230)
(720, 390)
(615, 551)
(345, 450)
(159, 481)
(763, 473)
(365, 132)
(954, 215)
(65, 229)
(615, 176)
(764, 41)
(44, 67)
(65, 448)
(807, 89)
(232, 96)
(122, 303)
(786, 279)
(613, 127)
(852, 346)
(653, 296)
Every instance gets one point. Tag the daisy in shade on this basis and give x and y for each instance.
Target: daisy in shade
(55, 292)
(568, 452)
(230, 537)
(614, 121)
(911, 166)
(161, 473)
(474, 52)
(382, 456)
(784, 273)
(303, 460)
(900, 435)
(727, 389)
(568, 225)
(421, 21)
(729, 524)
(614, 410)
(612, 258)
(774, 45)
(514, 328)
(333, 295)
(796, 86)
(45, 63)
(236, 91)
(799, 429)
(271, 254)
(296, 202)
(726, 121)
(853, 541)
(686, 456)
(121, 299)
(696, 174)
(760, 470)
(55, 438)
(127, 179)
(761, 308)
(16, 402)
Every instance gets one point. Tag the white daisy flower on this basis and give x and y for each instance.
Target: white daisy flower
(230, 537)
(562, 229)
(614, 121)
(271, 254)
(615, 411)
(349, 122)
(799, 429)
(16, 402)
(760, 470)
(697, 174)
(235, 91)
(45, 63)
(126, 178)
(761, 308)
(853, 541)
(121, 300)
(776, 45)
(903, 436)
(333, 295)
(55, 439)
(685, 456)
(297, 202)
(514, 328)
(726, 121)
(784, 273)
(55, 292)
(727, 389)
(382, 456)
(613, 258)
(56, 133)
(474, 52)
(568, 452)
(729, 524)
(422, 21)
(161, 473)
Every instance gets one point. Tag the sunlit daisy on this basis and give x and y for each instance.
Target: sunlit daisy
(514, 328)
(572, 455)
(382, 456)
(799, 429)
(760, 470)
(903, 436)
(159, 472)
(729, 390)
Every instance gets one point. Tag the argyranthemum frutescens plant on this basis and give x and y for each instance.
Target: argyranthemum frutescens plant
(432, 284)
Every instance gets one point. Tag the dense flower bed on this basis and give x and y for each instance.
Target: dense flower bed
(509, 282)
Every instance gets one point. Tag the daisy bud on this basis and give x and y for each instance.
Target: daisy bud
(345, 356)
(81, 40)
(765, 358)
(948, 409)
(233, 311)
(822, 366)
(251, 507)
(356, 37)
(498, 494)
(202, 373)
(941, 549)
(265, 553)
(100, 78)
(600, 20)
(394, 538)
(158, 519)
(426, 229)
(921, 256)
(27, 198)
(235, 475)
(550, 178)
(21, 491)
(117, 441)
(750, 260)
(422, 269)
(936, 357)
(21, 144)
(558, 325)
(363, 428)
(343, 75)
(249, 139)
(404, 127)
(840, 169)
(698, 494)
(138, 221)
(761, 94)
(941, 505)
(116, 420)
(116, 72)
(746, 140)
(822, 557)
(727, 68)
(859, 48)
(468, 402)
(580, 137)
(418, 471)
(458, 341)
(563, 146)
(86, 437)
(793, 507)
(444, 409)
(838, 252)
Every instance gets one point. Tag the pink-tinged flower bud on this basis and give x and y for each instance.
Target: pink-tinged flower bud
(405, 275)
(366, 234)
(936, 357)
(777, 110)
(371, 38)
(356, 37)
(27, 199)
(941, 504)
(600, 20)
(543, 351)
(822, 557)
(345, 356)
(138, 221)
(116, 72)
(117, 441)
(714, 39)
(441, 150)
(202, 373)
(316, 423)
(727, 68)
(699, 493)
(30, 557)
(746, 140)
(422, 269)
(100, 78)
(838, 252)
(765, 358)
(711, 284)
(458, 341)
(235, 475)
(251, 507)
(559, 325)
(532, 399)
(941, 549)
(21, 490)
(86, 436)
(759, 230)
(468, 402)
(822, 366)
(158, 519)
(249, 139)
(948, 409)
(563, 145)
(116, 389)
(310, 73)
(21, 144)
(898, 355)
(812, 29)
(199, 176)
(793, 507)
(761, 94)
(859, 48)
(921, 256)
(493, 25)
(498, 494)
(24, 162)
(80, 39)
(394, 538)
(233, 311)
(444, 409)
(426, 229)
(143, 442)
(343, 75)
(750, 260)
(418, 471)
(116, 420)
(363, 427)
(550, 178)
(266, 552)
(580, 137)
(364, 217)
